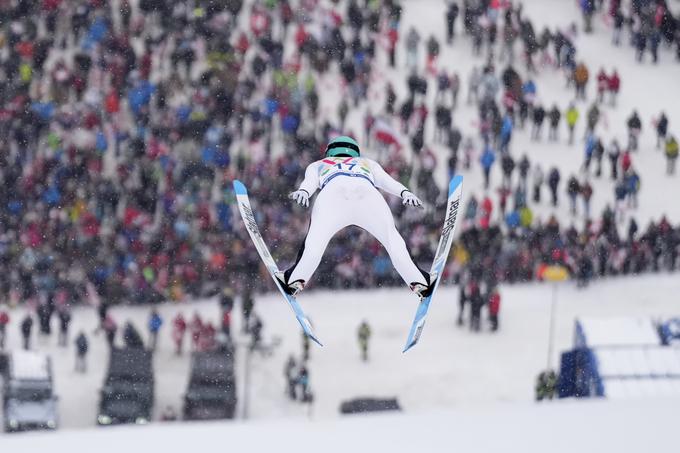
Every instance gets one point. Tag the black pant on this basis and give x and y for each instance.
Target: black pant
(493, 319)
(449, 31)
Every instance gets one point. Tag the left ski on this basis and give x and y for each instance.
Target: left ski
(445, 241)
(254, 232)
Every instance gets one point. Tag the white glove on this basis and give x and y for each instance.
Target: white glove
(408, 199)
(301, 197)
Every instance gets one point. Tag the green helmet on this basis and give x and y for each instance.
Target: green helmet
(342, 146)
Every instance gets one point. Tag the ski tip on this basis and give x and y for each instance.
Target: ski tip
(409, 345)
(455, 182)
(307, 329)
(239, 188)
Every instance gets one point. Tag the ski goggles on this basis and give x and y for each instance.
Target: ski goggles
(342, 148)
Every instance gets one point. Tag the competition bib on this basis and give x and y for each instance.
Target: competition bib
(332, 167)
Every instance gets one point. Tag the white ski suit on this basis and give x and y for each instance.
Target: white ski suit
(349, 196)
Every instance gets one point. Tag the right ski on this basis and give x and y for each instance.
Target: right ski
(254, 232)
(442, 253)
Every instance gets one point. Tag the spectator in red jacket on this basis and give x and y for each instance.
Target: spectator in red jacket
(4, 320)
(614, 87)
(487, 208)
(179, 328)
(494, 308)
(196, 327)
(392, 39)
(626, 161)
(602, 85)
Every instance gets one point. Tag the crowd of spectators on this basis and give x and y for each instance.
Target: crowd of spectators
(124, 124)
(649, 24)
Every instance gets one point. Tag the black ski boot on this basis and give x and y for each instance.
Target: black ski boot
(292, 288)
(421, 290)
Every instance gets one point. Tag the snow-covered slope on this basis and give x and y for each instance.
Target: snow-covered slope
(594, 426)
(451, 366)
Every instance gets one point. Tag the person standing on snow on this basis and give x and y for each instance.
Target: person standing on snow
(179, 327)
(613, 153)
(554, 119)
(82, 345)
(26, 328)
(661, 129)
(538, 117)
(602, 85)
(537, 183)
(598, 153)
(476, 304)
(614, 87)
(155, 323)
(634, 128)
(247, 305)
(452, 11)
(573, 189)
(581, 77)
(64, 322)
(572, 117)
(671, 150)
(364, 334)
(487, 160)
(553, 181)
(586, 194)
(349, 195)
(524, 166)
(494, 309)
(592, 117)
(508, 166)
(412, 41)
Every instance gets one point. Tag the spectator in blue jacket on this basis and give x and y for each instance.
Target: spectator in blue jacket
(631, 181)
(155, 323)
(506, 133)
(591, 142)
(487, 160)
(588, 9)
(512, 219)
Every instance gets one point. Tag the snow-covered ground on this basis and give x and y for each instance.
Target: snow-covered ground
(594, 426)
(450, 367)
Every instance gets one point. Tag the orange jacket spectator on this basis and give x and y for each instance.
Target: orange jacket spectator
(581, 74)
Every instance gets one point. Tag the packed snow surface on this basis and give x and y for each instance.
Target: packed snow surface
(593, 426)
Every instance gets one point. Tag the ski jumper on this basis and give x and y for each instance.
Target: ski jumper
(349, 196)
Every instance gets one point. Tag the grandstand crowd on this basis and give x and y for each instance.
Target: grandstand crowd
(124, 123)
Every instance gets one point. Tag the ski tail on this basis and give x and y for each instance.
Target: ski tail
(254, 232)
(443, 248)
